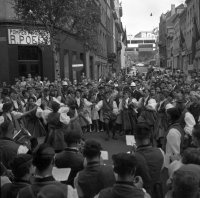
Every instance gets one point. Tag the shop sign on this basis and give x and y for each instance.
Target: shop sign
(23, 37)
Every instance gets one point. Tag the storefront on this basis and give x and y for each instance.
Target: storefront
(23, 53)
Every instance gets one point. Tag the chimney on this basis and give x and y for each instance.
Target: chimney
(173, 9)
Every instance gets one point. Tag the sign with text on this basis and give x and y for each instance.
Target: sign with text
(23, 37)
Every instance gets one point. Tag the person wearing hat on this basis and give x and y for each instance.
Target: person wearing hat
(22, 170)
(43, 160)
(95, 176)
(127, 185)
(134, 92)
(109, 110)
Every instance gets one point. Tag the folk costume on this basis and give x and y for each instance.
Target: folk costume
(57, 124)
(32, 121)
(110, 111)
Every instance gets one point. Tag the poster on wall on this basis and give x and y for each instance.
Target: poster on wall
(23, 37)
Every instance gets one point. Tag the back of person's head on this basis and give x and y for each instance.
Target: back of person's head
(43, 157)
(21, 165)
(174, 114)
(124, 164)
(92, 149)
(72, 137)
(143, 131)
(191, 156)
(55, 106)
(185, 184)
(51, 191)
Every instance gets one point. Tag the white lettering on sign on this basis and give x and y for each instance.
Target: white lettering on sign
(23, 37)
(77, 65)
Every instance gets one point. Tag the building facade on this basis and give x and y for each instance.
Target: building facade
(179, 37)
(21, 53)
(142, 47)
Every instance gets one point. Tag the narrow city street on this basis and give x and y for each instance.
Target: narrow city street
(72, 68)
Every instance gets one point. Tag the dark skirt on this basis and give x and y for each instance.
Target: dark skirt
(161, 126)
(56, 139)
(83, 121)
(127, 126)
(35, 127)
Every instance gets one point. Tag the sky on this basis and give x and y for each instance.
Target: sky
(136, 13)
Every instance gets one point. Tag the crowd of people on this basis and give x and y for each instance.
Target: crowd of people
(43, 123)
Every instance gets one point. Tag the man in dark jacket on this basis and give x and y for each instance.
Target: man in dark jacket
(22, 169)
(152, 157)
(95, 177)
(71, 156)
(43, 160)
(126, 186)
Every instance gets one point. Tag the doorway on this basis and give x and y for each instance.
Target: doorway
(30, 61)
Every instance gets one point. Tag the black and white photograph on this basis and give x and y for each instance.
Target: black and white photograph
(100, 98)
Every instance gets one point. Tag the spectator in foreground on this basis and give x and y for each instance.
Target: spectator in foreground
(43, 160)
(51, 191)
(71, 156)
(127, 185)
(196, 136)
(185, 183)
(21, 168)
(95, 176)
(150, 157)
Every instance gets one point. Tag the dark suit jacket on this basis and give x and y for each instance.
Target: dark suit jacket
(70, 158)
(38, 183)
(8, 151)
(94, 178)
(11, 190)
(122, 189)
